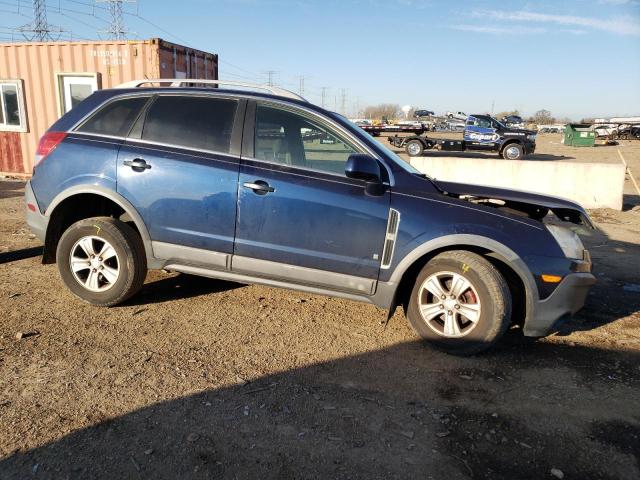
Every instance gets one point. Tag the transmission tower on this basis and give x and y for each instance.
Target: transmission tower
(270, 75)
(117, 29)
(40, 29)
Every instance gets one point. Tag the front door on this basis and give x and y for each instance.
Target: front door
(179, 169)
(299, 217)
(480, 133)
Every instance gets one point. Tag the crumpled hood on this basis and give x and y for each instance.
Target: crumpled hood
(534, 204)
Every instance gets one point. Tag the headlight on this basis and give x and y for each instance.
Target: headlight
(569, 242)
(532, 137)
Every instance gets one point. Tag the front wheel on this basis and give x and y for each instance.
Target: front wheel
(513, 151)
(101, 260)
(460, 303)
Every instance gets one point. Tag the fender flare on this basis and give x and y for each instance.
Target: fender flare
(115, 198)
(387, 290)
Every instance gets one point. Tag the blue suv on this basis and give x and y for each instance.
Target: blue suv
(264, 187)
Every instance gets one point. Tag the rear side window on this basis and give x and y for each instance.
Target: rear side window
(192, 122)
(115, 119)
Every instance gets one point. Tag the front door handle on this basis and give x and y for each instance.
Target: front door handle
(259, 186)
(137, 164)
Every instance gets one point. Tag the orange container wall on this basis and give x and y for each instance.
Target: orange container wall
(114, 62)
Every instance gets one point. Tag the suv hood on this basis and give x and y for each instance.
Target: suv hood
(533, 205)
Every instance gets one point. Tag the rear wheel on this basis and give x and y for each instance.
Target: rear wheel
(101, 260)
(414, 148)
(460, 303)
(513, 151)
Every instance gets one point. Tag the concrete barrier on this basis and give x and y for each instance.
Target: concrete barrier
(592, 185)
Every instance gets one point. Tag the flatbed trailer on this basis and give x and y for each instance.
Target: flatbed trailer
(376, 130)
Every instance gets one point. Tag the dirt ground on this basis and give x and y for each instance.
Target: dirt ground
(197, 378)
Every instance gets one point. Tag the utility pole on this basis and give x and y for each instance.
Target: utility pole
(493, 104)
(324, 95)
(301, 89)
(343, 102)
(270, 75)
(117, 29)
(40, 29)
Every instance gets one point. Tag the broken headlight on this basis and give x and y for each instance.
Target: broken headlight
(568, 241)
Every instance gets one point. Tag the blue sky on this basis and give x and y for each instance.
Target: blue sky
(576, 57)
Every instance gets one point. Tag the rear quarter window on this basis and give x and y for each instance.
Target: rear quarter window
(115, 118)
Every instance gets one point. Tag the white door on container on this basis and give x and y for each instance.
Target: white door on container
(75, 89)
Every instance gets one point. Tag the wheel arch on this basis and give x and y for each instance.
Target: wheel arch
(96, 199)
(511, 266)
(510, 142)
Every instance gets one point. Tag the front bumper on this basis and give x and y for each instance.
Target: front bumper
(36, 221)
(568, 297)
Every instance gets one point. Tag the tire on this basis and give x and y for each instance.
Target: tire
(513, 151)
(125, 261)
(414, 148)
(487, 294)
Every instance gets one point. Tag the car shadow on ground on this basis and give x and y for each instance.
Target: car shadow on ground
(629, 202)
(179, 286)
(400, 412)
(11, 189)
(21, 254)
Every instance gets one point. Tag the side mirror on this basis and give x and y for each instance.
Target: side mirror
(363, 167)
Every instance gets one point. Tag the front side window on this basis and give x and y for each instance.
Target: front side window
(292, 139)
(193, 122)
(482, 123)
(12, 115)
(116, 118)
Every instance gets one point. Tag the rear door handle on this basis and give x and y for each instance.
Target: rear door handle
(259, 186)
(137, 164)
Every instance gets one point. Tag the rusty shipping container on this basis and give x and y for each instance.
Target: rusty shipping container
(40, 81)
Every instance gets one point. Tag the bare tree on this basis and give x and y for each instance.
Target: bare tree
(384, 111)
(542, 117)
(506, 114)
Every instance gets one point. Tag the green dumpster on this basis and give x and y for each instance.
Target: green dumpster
(579, 135)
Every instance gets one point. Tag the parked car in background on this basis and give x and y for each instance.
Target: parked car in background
(512, 121)
(423, 113)
(608, 131)
(241, 185)
(629, 133)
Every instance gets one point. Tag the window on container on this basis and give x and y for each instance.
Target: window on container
(192, 122)
(116, 118)
(74, 88)
(12, 113)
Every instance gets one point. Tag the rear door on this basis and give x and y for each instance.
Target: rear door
(299, 217)
(179, 168)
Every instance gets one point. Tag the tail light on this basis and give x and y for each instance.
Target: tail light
(48, 144)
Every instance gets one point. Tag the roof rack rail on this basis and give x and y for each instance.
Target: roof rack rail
(177, 82)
